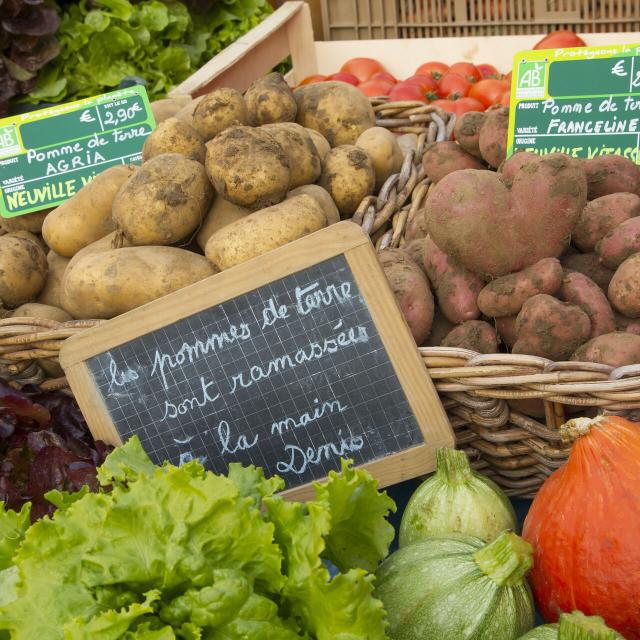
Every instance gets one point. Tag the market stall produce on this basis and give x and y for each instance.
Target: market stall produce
(518, 278)
(58, 51)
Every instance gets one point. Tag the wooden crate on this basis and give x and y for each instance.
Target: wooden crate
(289, 31)
(357, 19)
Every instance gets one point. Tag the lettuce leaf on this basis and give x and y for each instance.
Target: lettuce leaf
(360, 535)
(13, 526)
(103, 41)
(163, 553)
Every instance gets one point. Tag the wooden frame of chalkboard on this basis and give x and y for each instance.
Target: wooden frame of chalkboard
(343, 239)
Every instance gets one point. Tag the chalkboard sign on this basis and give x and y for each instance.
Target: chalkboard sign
(583, 102)
(289, 362)
(47, 156)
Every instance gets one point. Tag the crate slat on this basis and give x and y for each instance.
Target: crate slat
(346, 19)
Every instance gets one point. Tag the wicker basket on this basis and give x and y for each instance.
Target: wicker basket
(517, 444)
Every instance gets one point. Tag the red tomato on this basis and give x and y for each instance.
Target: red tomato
(488, 71)
(459, 106)
(466, 70)
(507, 77)
(434, 69)
(374, 88)
(506, 98)
(385, 76)
(406, 91)
(312, 79)
(453, 86)
(362, 68)
(341, 76)
(488, 91)
(560, 39)
(427, 85)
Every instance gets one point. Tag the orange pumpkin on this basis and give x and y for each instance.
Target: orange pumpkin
(584, 525)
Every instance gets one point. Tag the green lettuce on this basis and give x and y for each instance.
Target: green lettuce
(169, 552)
(102, 41)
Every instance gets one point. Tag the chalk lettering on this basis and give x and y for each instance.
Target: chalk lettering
(299, 459)
(120, 378)
(320, 410)
(196, 350)
(172, 410)
(314, 351)
(272, 313)
(310, 297)
(241, 443)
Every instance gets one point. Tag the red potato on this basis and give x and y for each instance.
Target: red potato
(615, 349)
(442, 158)
(467, 131)
(630, 325)
(611, 174)
(505, 296)
(411, 289)
(415, 250)
(506, 328)
(550, 329)
(456, 288)
(624, 288)
(417, 227)
(589, 264)
(509, 168)
(620, 243)
(586, 294)
(493, 134)
(492, 229)
(602, 215)
(475, 335)
(439, 329)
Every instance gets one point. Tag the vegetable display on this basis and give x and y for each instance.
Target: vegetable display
(503, 250)
(167, 552)
(45, 445)
(459, 88)
(102, 42)
(574, 626)
(583, 525)
(456, 499)
(458, 587)
(27, 43)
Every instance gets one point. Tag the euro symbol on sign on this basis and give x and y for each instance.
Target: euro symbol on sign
(86, 117)
(619, 70)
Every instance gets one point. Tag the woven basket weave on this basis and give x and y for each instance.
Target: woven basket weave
(517, 445)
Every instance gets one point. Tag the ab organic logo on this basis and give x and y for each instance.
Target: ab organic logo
(532, 78)
(9, 143)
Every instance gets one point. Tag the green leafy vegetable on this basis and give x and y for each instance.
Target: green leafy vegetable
(12, 529)
(102, 41)
(166, 553)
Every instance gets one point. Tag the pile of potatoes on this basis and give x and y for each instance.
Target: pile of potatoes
(224, 178)
(536, 255)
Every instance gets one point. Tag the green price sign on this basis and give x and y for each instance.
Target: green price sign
(47, 156)
(584, 102)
